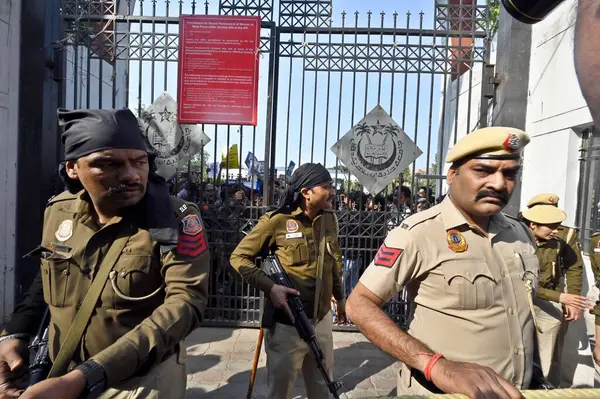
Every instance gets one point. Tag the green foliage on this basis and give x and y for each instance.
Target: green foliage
(493, 16)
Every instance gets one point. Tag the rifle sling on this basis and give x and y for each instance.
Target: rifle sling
(73, 337)
(320, 259)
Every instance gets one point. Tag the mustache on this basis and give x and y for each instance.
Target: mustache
(501, 195)
(122, 187)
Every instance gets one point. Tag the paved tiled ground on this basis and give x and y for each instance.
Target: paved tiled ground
(219, 362)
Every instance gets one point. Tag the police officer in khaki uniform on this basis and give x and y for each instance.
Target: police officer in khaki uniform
(553, 307)
(303, 234)
(574, 275)
(595, 262)
(117, 213)
(469, 272)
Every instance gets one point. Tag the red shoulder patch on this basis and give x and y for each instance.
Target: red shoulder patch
(192, 245)
(192, 225)
(387, 256)
(192, 239)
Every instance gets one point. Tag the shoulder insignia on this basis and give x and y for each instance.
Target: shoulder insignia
(387, 256)
(64, 196)
(192, 238)
(417, 218)
(269, 214)
(192, 225)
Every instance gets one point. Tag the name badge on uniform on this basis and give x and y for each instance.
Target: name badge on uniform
(596, 250)
(294, 235)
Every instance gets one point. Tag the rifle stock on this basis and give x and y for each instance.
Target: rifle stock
(303, 325)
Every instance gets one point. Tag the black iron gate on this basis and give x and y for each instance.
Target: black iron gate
(320, 74)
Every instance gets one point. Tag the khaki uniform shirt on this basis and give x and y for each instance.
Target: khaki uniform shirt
(574, 274)
(295, 240)
(472, 306)
(156, 299)
(553, 256)
(595, 261)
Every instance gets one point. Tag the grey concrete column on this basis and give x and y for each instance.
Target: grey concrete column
(10, 37)
(512, 70)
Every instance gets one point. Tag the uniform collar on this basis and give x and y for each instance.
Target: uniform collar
(453, 218)
(299, 212)
(82, 209)
(451, 215)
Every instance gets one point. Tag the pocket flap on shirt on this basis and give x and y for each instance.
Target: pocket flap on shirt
(468, 269)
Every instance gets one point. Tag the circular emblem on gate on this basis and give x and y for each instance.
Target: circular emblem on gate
(64, 231)
(375, 149)
(456, 241)
(160, 140)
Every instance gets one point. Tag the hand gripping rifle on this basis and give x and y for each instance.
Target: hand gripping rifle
(305, 329)
(39, 368)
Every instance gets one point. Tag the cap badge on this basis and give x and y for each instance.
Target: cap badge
(512, 143)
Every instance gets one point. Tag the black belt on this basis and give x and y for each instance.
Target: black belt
(420, 378)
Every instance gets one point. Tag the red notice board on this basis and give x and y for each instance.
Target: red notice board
(218, 69)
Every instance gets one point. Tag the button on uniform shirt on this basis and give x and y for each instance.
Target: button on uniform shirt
(470, 299)
(295, 239)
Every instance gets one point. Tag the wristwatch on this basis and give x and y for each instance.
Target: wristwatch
(95, 379)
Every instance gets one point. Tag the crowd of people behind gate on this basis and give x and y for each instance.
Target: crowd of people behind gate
(230, 210)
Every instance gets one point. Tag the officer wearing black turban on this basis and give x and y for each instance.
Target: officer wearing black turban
(116, 228)
(303, 233)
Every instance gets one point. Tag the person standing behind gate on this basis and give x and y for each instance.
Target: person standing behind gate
(303, 234)
(118, 249)
(469, 272)
(554, 308)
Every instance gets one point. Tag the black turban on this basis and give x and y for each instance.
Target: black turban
(308, 175)
(92, 130)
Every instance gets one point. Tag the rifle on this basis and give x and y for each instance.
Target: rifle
(305, 329)
(39, 368)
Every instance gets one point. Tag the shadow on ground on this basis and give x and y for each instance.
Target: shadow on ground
(355, 365)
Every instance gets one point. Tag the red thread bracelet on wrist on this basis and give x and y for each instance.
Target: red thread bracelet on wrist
(430, 364)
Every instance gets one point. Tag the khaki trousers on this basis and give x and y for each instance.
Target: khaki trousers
(550, 341)
(287, 354)
(165, 381)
